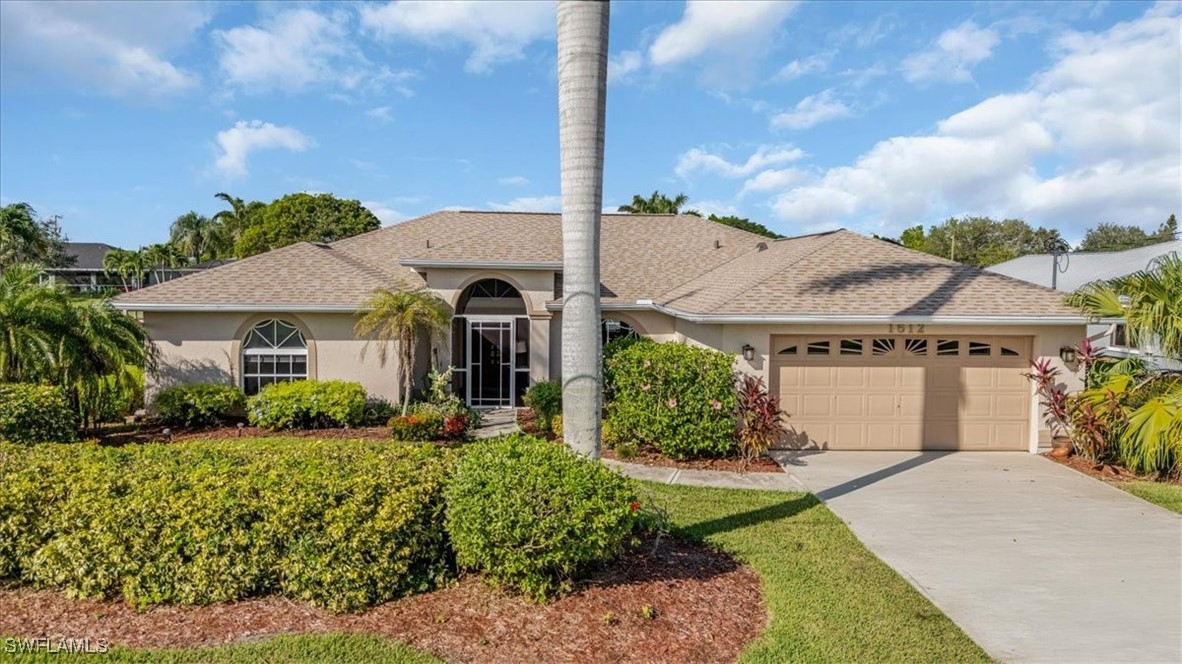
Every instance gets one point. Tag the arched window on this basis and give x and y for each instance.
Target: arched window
(615, 329)
(273, 351)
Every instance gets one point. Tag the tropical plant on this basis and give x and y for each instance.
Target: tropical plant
(761, 422)
(1051, 396)
(198, 237)
(24, 238)
(657, 203)
(582, 102)
(160, 259)
(400, 318)
(1149, 301)
(126, 264)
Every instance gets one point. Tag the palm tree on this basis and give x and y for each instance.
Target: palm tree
(582, 101)
(1150, 302)
(658, 203)
(127, 264)
(159, 258)
(34, 318)
(197, 237)
(230, 223)
(400, 318)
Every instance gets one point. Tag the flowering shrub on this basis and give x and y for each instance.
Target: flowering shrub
(416, 428)
(35, 414)
(307, 404)
(675, 397)
(761, 422)
(531, 515)
(200, 405)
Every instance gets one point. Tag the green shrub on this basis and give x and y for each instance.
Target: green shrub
(417, 427)
(341, 525)
(35, 414)
(307, 404)
(377, 412)
(531, 515)
(546, 400)
(556, 426)
(201, 405)
(680, 399)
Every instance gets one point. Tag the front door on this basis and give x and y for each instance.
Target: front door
(490, 363)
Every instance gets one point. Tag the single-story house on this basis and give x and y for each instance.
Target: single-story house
(868, 344)
(1067, 272)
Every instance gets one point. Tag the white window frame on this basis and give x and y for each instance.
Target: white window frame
(273, 352)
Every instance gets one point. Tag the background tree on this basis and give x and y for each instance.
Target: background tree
(582, 103)
(1115, 237)
(982, 241)
(160, 259)
(745, 224)
(236, 219)
(400, 319)
(658, 203)
(198, 237)
(127, 264)
(25, 238)
(303, 218)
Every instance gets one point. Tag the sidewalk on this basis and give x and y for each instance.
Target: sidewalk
(712, 478)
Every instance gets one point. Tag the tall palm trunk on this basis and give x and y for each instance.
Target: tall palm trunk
(582, 99)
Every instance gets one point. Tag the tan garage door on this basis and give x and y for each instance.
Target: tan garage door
(899, 392)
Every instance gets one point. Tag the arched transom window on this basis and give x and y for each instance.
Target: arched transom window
(273, 351)
(612, 329)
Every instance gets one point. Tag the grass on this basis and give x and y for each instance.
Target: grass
(828, 598)
(326, 648)
(1161, 494)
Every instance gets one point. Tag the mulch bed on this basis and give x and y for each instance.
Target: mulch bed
(707, 607)
(652, 458)
(155, 433)
(1106, 472)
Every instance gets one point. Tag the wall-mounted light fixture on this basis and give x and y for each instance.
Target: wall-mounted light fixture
(748, 352)
(1067, 354)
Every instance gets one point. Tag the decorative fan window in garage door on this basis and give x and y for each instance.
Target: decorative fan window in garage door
(273, 351)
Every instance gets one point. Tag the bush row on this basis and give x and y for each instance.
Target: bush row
(344, 525)
(35, 414)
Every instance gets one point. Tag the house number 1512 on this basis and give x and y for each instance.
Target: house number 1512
(907, 328)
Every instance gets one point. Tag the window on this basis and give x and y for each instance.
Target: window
(915, 346)
(978, 348)
(818, 348)
(947, 347)
(273, 351)
(882, 346)
(1008, 352)
(851, 347)
(615, 329)
(791, 350)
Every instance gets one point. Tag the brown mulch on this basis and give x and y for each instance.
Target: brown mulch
(707, 607)
(155, 433)
(1107, 472)
(649, 457)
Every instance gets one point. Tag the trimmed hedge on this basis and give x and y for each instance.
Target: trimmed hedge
(546, 400)
(35, 414)
(531, 515)
(307, 404)
(675, 397)
(342, 525)
(199, 405)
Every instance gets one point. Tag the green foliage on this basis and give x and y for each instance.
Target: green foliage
(342, 525)
(1115, 237)
(417, 427)
(25, 238)
(303, 218)
(378, 412)
(400, 318)
(199, 238)
(545, 398)
(981, 241)
(201, 405)
(556, 426)
(761, 422)
(531, 515)
(746, 225)
(675, 397)
(35, 414)
(307, 404)
(1150, 302)
(658, 203)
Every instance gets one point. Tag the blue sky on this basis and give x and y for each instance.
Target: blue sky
(803, 116)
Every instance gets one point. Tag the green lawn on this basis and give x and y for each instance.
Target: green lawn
(828, 598)
(326, 648)
(1162, 494)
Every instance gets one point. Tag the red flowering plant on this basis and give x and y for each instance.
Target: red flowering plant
(760, 420)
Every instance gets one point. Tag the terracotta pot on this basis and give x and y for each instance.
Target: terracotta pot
(1061, 447)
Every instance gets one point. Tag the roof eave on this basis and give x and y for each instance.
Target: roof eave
(251, 308)
(430, 263)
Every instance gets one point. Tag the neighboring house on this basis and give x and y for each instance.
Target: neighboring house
(869, 345)
(85, 271)
(1072, 270)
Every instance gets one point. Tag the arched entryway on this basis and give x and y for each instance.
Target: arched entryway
(490, 345)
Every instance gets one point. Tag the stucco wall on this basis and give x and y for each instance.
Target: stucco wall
(206, 348)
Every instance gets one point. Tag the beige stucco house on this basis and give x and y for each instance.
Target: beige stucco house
(869, 345)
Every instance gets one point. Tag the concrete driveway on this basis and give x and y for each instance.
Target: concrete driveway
(1036, 562)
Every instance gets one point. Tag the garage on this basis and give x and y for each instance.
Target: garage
(903, 392)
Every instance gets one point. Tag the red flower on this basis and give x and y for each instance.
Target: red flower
(635, 506)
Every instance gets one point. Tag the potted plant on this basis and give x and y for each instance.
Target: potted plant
(1053, 401)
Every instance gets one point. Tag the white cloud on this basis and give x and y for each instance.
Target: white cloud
(773, 179)
(953, 56)
(1106, 114)
(698, 159)
(622, 65)
(495, 32)
(814, 64)
(244, 137)
(514, 181)
(812, 111)
(294, 50)
(381, 114)
(530, 204)
(713, 25)
(383, 212)
(117, 48)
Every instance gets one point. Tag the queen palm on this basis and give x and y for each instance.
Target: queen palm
(127, 264)
(658, 203)
(159, 258)
(400, 319)
(582, 100)
(198, 237)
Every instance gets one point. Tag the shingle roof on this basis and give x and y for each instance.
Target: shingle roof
(87, 255)
(299, 275)
(1077, 269)
(682, 262)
